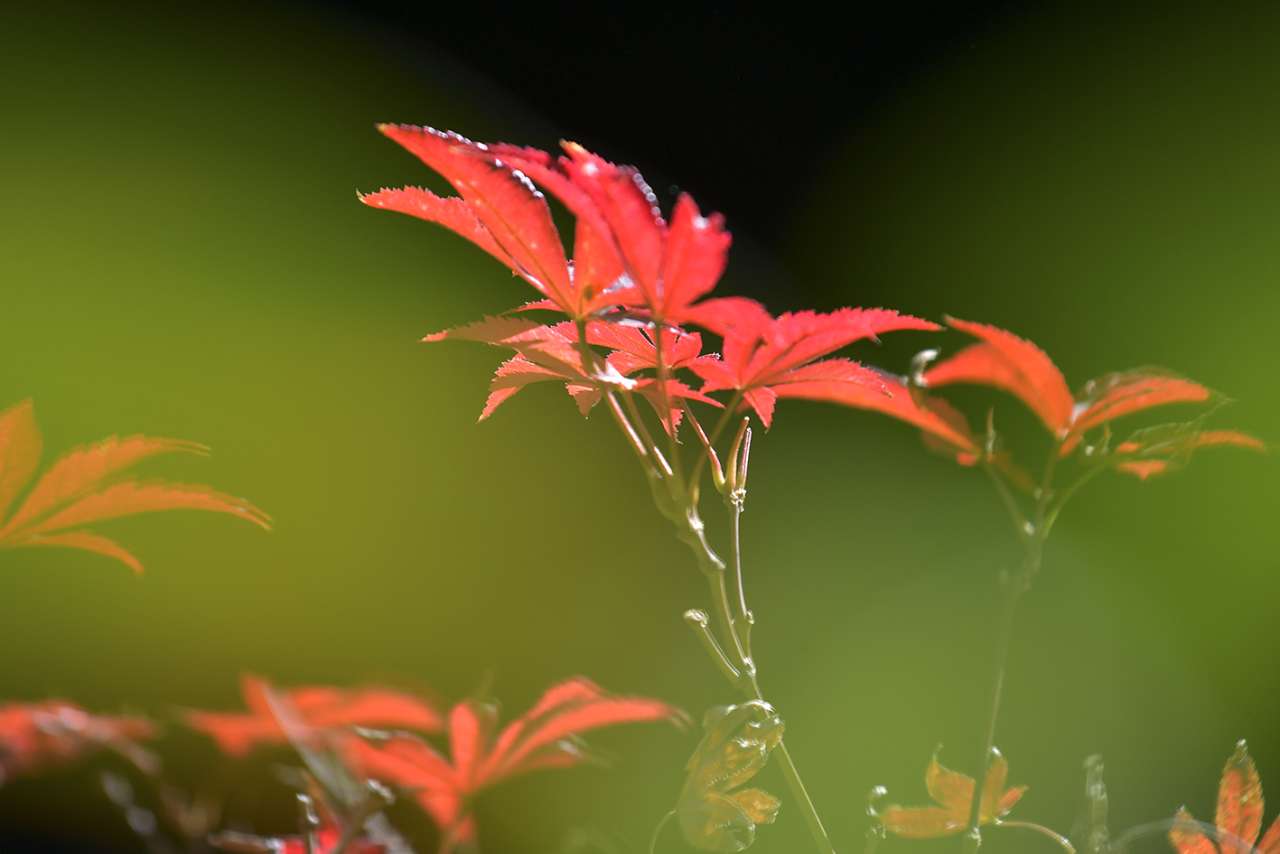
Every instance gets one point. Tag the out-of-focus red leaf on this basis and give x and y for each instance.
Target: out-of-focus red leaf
(1013, 364)
(129, 498)
(84, 486)
(87, 541)
(38, 736)
(539, 739)
(319, 707)
(84, 469)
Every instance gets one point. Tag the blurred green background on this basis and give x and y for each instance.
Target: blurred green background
(181, 254)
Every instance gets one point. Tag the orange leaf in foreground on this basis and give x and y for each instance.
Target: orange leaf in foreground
(319, 707)
(952, 793)
(85, 486)
(1238, 818)
(543, 737)
(36, 736)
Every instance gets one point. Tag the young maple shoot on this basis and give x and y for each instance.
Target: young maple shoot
(622, 334)
(631, 293)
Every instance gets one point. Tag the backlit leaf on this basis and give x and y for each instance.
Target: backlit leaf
(1013, 364)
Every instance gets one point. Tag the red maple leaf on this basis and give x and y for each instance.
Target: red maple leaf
(624, 254)
(766, 358)
(543, 737)
(319, 707)
(500, 210)
(37, 736)
(86, 486)
(1238, 819)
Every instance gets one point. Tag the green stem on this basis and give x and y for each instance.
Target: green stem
(1013, 592)
(657, 831)
(745, 617)
(746, 682)
(1032, 534)
(810, 812)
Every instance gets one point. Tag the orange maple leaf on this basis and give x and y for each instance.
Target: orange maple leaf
(85, 486)
(1238, 819)
(953, 794)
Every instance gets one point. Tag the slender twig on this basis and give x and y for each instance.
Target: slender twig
(1031, 533)
(745, 617)
(721, 423)
(810, 812)
(700, 623)
(1013, 592)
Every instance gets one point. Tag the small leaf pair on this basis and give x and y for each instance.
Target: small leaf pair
(714, 813)
(952, 793)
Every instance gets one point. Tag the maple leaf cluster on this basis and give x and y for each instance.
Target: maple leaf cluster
(636, 290)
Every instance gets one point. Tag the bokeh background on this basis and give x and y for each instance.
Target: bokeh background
(181, 253)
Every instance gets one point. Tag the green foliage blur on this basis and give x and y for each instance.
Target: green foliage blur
(182, 254)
